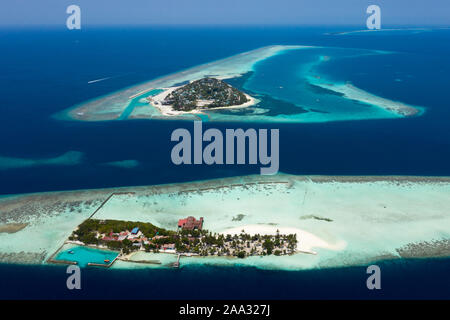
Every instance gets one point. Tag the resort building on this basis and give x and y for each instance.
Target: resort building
(168, 246)
(110, 238)
(190, 223)
(135, 234)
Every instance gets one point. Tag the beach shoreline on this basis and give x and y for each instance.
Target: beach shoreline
(112, 105)
(308, 241)
(167, 110)
(323, 226)
(118, 105)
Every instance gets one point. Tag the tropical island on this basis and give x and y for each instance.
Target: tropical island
(205, 93)
(189, 239)
(199, 95)
(209, 92)
(338, 220)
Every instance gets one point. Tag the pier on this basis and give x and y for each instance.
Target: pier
(51, 259)
(139, 93)
(62, 262)
(177, 263)
(139, 261)
(107, 199)
(92, 264)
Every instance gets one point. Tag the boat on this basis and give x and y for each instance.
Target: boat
(71, 252)
(107, 261)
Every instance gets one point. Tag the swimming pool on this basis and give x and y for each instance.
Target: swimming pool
(84, 255)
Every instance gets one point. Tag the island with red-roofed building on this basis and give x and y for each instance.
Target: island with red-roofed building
(190, 239)
(190, 223)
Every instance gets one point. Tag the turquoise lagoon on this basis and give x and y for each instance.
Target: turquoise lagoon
(84, 255)
(138, 102)
(290, 83)
(295, 87)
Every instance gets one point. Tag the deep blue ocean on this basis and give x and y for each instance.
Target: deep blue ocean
(44, 71)
(414, 279)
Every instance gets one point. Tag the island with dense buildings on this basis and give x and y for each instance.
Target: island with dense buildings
(189, 239)
(205, 93)
(199, 95)
(237, 89)
(338, 220)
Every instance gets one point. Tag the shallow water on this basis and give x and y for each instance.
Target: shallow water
(55, 76)
(84, 255)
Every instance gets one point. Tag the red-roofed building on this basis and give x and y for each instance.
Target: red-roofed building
(110, 238)
(160, 237)
(168, 246)
(190, 223)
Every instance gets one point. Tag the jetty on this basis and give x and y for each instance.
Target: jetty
(107, 199)
(92, 264)
(177, 263)
(139, 261)
(52, 259)
(139, 93)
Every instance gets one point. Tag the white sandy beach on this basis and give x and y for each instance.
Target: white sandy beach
(167, 110)
(307, 240)
(344, 220)
(111, 106)
(250, 102)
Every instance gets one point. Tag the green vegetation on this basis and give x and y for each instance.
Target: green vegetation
(106, 226)
(204, 93)
(268, 245)
(202, 242)
(88, 232)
